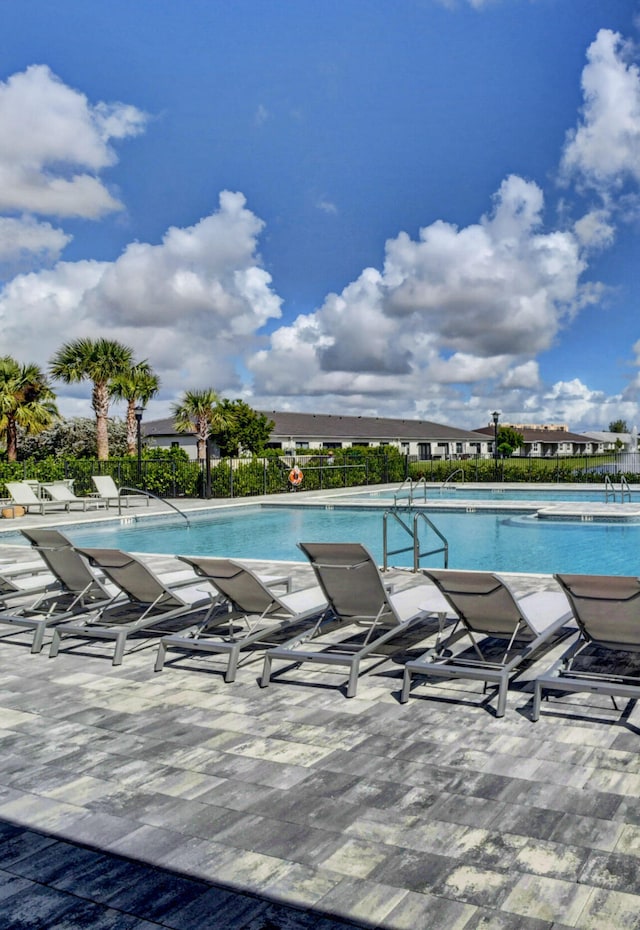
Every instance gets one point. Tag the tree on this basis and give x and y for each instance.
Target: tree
(509, 439)
(26, 402)
(135, 386)
(199, 412)
(246, 430)
(74, 438)
(618, 426)
(99, 361)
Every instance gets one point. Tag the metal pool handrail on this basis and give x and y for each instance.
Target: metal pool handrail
(458, 471)
(412, 489)
(156, 498)
(415, 540)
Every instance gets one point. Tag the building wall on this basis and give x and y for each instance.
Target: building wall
(425, 449)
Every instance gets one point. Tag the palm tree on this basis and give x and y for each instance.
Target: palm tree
(199, 411)
(100, 361)
(136, 386)
(26, 401)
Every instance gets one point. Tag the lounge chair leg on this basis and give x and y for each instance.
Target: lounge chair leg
(230, 674)
(162, 651)
(502, 697)
(537, 697)
(55, 644)
(38, 637)
(406, 686)
(118, 652)
(266, 672)
(352, 686)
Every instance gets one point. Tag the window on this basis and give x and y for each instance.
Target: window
(458, 448)
(302, 445)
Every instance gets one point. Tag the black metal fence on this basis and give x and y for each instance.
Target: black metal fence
(223, 478)
(559, 468)
(178, 477)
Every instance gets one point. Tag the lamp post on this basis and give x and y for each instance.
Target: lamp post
(138, 411)
(496, 416)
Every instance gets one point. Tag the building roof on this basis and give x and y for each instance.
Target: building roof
(327, 426)
(324, 426)
(608, 436)
(542, 435)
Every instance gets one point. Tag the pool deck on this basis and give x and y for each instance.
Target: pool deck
(131, 800)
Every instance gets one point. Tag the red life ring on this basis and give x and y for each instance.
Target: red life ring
(295, 477)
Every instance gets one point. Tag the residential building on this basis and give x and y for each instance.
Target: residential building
(547, 441)
(296, 432)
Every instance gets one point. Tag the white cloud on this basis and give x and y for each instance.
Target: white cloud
(523, 376)
(24, 238)
(457, 307)
(475, 4)
(327, 206)
(53, 143)
(594, 230)
(604, 149)
(192, 305)
(261, 115)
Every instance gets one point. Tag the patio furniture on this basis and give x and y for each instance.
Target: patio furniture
(24, 495)
(63, 494)
(254, 614)
(359, 603)
(604, 657)
(143, 603)
(72, 587)
(109, 491)
(502, 631)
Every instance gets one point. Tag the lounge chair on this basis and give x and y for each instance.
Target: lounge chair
(24, 495)
(603, 659)
(64, 495)
(72, 587)
(358, 601)
(109, 491)
(503, 630)
(254, 613)
(142, 604)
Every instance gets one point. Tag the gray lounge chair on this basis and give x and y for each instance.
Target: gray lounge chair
(24, 495)
(109, 491)
(492, 618)
(254, 613)
(143, 603)
(72, 587)
(358, 601)
(64, 495)
(603, 659)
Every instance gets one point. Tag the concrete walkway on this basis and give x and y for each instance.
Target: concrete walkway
(136, 800)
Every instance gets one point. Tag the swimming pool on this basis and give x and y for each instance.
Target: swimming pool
(493, 541)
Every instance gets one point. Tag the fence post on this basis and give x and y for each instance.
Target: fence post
(230, 477)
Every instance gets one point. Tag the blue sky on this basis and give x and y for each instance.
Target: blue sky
(415, 208)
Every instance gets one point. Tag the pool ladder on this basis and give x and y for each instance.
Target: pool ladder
(407, 490)
(610, 490)
(411, 527)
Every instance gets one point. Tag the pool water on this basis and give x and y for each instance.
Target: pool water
(497, 542)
